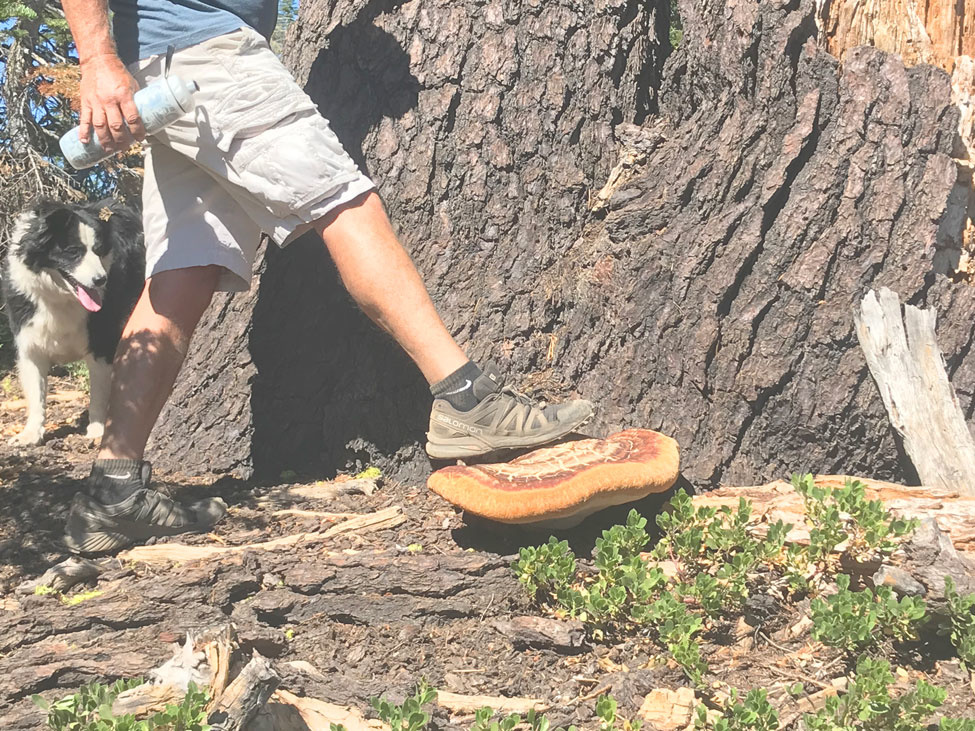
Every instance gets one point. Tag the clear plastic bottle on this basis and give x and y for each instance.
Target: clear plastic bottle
(160, 103)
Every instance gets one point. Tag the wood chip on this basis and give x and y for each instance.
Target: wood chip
(322, 490)
(306, 668)
(668, 710)
(316, 514)
(244, 696)
(179, 553)
(458, 704)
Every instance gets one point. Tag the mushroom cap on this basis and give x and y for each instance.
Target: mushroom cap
(564, 483)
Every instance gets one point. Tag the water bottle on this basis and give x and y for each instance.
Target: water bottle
(160, 103)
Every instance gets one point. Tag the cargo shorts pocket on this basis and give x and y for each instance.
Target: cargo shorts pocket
(290, 163)
(260, 91)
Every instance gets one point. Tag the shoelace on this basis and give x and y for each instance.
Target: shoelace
(519, 397)
(532, 409)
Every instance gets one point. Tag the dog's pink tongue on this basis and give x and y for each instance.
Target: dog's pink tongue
(89, 299)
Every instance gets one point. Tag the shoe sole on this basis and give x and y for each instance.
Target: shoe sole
(462, 448)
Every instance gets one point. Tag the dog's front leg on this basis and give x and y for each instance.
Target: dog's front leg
(33, 380)
(99, 387)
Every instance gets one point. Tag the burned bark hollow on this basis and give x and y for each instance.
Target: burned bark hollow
(708, 294)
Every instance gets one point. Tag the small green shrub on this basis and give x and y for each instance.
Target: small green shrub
(90, 709)
(957, 724)
(754, 713)
(845, 514)
(547, 570)
(606, 707)
(483, 721)
(961, 615)
(78, 372)
(409, 716)
(676, 628)
(856, 620)
(868, 705)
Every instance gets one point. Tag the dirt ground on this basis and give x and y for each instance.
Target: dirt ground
(373, 612)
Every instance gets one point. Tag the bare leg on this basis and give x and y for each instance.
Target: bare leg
(382, 279)
(150, 355)
(33, 380)
(99, 386)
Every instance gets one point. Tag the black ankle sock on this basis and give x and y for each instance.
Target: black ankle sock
(458, 388)
(113, 480)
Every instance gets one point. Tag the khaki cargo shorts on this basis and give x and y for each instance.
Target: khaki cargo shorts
(255, 156)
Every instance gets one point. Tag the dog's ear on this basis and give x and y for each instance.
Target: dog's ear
(53, 219)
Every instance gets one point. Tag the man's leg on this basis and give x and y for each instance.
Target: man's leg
(381, 277)
(150, 355)
(117, 506)
(472, 414)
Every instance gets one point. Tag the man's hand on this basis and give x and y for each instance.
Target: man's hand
(107, 104)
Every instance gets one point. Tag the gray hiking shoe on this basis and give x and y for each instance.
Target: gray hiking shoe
(504, 419)
(139, 513)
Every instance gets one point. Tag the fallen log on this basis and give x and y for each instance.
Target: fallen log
(954, 513)
(909, 370)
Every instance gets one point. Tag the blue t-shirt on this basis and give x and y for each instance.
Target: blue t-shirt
(145, 28)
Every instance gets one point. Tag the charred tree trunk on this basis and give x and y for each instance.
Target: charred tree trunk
(708, 293)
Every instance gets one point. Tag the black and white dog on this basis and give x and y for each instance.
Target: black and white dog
(71, 277)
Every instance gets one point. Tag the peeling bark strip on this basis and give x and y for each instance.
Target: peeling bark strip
(909, 369)
(711, 296)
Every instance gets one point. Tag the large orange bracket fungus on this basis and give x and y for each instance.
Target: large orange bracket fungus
(563, 484)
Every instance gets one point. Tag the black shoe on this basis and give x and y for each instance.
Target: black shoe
(127, 511)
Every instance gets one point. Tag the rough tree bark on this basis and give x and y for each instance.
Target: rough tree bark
(486, 124)
(709, 293)
(938, 32)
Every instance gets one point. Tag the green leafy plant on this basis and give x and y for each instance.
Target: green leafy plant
(957, 724)
(754, 713)
(676, 628)
(719, 548)
(78, 372)
(606, 710)
(90, 709)
(483, 721)
(868, 704)
(856, 620)
(546, 570)
(409, 716)
(625, 584)
(961, 616)
(846, 515)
